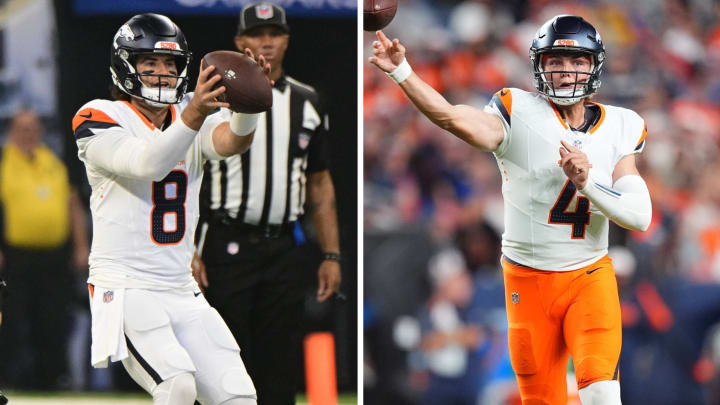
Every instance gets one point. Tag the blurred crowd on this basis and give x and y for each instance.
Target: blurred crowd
(425, 188)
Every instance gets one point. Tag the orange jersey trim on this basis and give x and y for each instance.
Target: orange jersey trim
(557, 114)
(602, 116)
(173, 114)
(90, 114)
(506, 98)
(642, 138)
(143, 117)
(565, 125)
(91, 289)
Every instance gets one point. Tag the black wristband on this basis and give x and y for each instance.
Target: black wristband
(331, 256)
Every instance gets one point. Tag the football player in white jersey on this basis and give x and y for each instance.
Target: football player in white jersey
(567, 166)
(144, 154)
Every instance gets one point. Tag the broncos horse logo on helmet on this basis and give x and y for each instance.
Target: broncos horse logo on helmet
(567, 34)
(149, 34)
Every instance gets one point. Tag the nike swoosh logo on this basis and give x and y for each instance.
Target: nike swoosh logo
(197, 293)
(86, 116)
(593, 270)
(503, 93)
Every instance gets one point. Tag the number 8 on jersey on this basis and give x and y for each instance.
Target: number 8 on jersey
(168, 197)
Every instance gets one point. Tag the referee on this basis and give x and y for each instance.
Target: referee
(249, 237)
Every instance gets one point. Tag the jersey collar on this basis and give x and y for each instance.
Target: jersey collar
(147, 122)
(593, 128)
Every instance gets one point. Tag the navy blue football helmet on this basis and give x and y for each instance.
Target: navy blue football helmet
(567, 34)
(149, 34)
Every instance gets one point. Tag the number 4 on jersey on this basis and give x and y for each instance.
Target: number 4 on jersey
(579, 219)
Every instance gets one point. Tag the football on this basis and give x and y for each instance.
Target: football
(377, 14)
(247, 89)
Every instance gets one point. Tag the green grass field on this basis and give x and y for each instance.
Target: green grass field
(37, 398)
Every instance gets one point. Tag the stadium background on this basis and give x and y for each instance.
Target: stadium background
(433, 209)
(67, 45)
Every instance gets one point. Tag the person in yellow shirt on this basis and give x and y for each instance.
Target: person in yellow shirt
(43, 235)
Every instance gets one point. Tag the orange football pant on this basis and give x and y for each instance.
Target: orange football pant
(555, 314)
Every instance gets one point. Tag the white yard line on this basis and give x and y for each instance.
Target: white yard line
(73, 401)
(83, 400)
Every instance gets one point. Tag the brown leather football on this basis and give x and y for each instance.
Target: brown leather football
(247, 89)
(378, 13)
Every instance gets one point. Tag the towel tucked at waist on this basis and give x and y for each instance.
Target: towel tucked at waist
(108, 333)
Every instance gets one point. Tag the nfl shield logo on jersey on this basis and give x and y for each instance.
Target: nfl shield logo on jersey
(303, 140)
(515, 298)
(264, 11)
(108, 296)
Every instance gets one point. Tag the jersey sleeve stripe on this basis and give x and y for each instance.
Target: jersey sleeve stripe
(641, 142)
(91, 114)
(608, 190)
(85, 129)
(506, 98)
(640, 146)
(501, 106)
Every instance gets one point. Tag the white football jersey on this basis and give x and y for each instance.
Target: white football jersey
(143, 231)
(548, 224)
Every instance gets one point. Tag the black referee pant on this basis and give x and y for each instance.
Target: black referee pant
(257, 284)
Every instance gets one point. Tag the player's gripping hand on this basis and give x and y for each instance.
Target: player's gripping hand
(388, 55)
(204, 100)
(575, 164)
(260, 60)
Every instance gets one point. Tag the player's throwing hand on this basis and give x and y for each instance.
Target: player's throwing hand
(388, 55)
(575, 164)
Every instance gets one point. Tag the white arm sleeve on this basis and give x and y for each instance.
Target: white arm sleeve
(128, 156)
(207, 144)
(207, 129)
(627, 202)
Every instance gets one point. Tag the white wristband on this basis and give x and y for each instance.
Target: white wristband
(401, 72)
(243, 124)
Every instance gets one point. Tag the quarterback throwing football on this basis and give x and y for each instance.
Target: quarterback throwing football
(567, 166)
(144, 155)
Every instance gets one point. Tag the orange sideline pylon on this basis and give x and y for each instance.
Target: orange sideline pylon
(320, 369)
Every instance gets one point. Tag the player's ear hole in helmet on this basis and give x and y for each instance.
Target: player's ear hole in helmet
(567, 35)
(149, 34)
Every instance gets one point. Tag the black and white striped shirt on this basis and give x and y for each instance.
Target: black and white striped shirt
(266, 184)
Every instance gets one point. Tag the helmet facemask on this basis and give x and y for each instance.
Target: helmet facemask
(584, 84)
(158, 96)
(567, 35)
